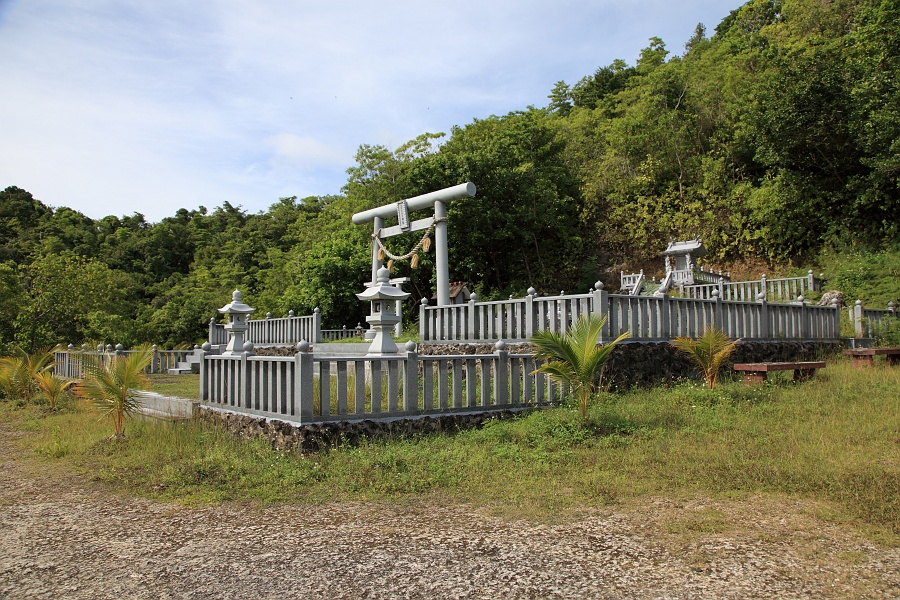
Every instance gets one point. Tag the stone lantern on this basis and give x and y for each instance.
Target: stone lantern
(237, 326)
(384, 298)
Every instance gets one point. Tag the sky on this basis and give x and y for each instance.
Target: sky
(115, 107)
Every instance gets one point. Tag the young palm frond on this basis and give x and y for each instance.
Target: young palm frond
(18, 372)
(53, 388)
(574, 359)
(112, 384)
(709, 352)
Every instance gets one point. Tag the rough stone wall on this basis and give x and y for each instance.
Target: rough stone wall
(630, 365)
(645, 364)
(316, 436)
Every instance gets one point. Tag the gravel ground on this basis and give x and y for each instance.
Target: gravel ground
(65, 536)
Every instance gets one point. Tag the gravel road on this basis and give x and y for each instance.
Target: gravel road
(65, 536)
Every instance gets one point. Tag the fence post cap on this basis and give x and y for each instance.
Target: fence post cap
(70, 346)
(119, 347)
(715, 293)
(801, 299)
(859, 302)
(290, 313)
(206, 347)
(248, 346)
(761, 296)
(196, 347)
(424, 301)
(154, 347)
(531, 291)
(810, 272)
(268, 315)
(891, 305)
(212, 320)
(473, 297)
(302, 346)
(835, 302)
(598, 285)
(316, 310)
(410, 346)
(500, 346)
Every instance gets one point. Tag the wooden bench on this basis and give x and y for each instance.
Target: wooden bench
(756, 372)
(865, 357)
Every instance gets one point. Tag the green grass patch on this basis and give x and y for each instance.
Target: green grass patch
(180, 386)
(833, 439)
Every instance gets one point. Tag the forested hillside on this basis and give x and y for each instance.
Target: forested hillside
(776, 139)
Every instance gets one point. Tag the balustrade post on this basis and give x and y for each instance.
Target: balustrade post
(810, 281)
(205, 350)
(303, 381)
(665, 317)
(836, 305)
(763, 287)
(317, 326)
(717, 309)
(212, 331)
(245, 393)
(411, 378)
(763, 313)
(530, 319)
(423, 320)
(804, 318)
(501, 374)
(471, 334)
(154, 362)
(600, 306)
(858, 325)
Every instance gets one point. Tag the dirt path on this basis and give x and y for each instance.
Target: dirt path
(63, 536)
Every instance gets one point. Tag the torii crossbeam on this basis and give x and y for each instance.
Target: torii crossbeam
(401, 210)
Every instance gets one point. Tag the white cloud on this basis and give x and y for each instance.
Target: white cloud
(112, 107)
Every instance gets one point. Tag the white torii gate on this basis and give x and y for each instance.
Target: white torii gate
(401, 210)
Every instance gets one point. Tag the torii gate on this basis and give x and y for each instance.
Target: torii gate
(401, 210)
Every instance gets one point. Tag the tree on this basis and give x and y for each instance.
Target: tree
(574, 358)
(53, 388)
(709, 352)
(19, 373)
(112, 383)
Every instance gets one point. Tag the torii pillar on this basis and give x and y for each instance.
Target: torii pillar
(401, 210)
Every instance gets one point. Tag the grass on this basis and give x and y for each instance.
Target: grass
(833, 439)
(180, 386)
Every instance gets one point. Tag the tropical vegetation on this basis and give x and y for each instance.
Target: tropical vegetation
(574, 358)
(773, 136)
(709, 352)
(112, 383)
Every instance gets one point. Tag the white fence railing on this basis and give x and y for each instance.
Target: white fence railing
(274, 331)
(70, 362)
(784, 289)
(336, 335)
(305, 388)
(648, 318)
(871, 322)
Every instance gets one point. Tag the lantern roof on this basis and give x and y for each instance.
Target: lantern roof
(383, 290)
(236, 306)
(694, 246)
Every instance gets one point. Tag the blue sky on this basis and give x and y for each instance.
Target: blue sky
(117, 107)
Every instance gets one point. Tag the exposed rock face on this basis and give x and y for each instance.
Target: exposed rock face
(644, 364)
(315, 436)
(828, 297)
(630, 365)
